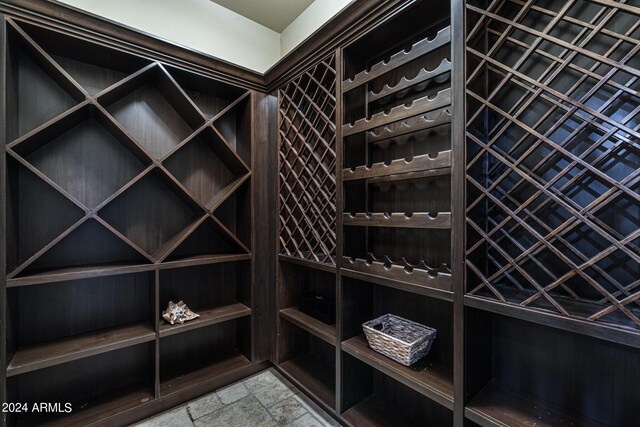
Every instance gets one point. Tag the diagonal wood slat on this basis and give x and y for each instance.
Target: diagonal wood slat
(553, 157)
(307, 162)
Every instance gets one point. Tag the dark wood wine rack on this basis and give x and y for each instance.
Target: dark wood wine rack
(551, 258)
(552, 182)
(395, 149)
(307, 160)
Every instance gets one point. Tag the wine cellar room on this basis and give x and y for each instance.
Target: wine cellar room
(320, 213)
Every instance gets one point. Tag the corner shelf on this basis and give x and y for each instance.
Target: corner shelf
(121, 186)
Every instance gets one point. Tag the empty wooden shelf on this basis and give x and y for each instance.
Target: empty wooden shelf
(323, 331)
(67, 349)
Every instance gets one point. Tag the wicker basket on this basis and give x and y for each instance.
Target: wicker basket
(400, 339)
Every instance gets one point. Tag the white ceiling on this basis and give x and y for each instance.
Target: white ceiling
(274, 14)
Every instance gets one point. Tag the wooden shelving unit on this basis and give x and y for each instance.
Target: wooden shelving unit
(124, 191)
(469, 165)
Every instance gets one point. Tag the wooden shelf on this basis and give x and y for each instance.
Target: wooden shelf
(418, 49)
(207, 318)
(400, 112)
(435, 284)
(86, 272)
(372, 412)
(441, 220)
(311, 374)
(231, 362)
(331, 268)
(413, 124)
(325, 332)
(548, 317)
(422, 76)
(55, 352)
(420, 163)
(495, 406)
(434, 382)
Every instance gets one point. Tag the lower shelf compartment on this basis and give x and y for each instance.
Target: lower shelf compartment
(199, 355)
(497, 406)
(95, 387)
(100, 408)
(314, 375)
(230, 362)
(372, 412)
(372, 398)
(430, 379)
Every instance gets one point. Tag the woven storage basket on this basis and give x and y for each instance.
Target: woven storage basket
(400, 339)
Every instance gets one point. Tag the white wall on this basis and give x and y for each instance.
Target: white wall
(312, 18)
(198, 24)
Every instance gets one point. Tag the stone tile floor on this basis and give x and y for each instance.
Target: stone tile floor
(263, 400)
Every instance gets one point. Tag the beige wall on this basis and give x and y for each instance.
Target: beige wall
(312, 18)
(207, 27)
(198, 24)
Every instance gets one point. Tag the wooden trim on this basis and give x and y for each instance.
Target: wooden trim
(353, 21)
(458, 205)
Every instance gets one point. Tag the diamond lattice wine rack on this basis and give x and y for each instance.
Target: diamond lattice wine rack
(553, 157)
(307, 154)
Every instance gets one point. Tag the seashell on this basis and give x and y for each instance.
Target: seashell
(178, 313)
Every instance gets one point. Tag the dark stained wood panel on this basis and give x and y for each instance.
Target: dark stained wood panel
(64, 350)
(431, 379)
